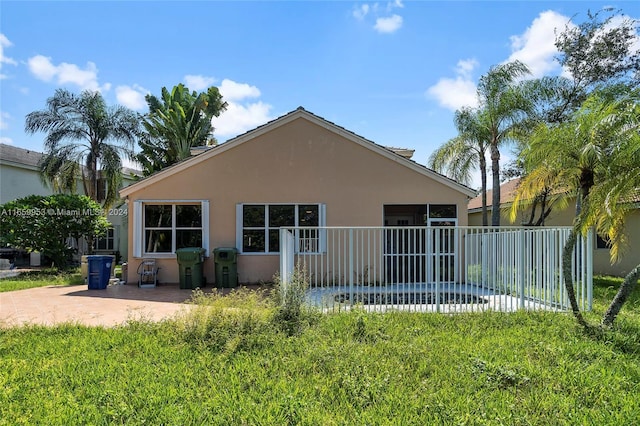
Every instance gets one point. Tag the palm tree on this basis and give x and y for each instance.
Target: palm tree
(617, 193)
(85, 139)
(176, 122)
(587, 156)
(463, 154)
(504, 107)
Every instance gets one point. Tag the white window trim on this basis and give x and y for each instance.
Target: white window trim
(322, 209)
(138, 226)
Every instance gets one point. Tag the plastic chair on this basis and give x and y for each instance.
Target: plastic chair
(147, 273)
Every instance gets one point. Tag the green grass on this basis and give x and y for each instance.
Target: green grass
(229, 362)
(40, 278)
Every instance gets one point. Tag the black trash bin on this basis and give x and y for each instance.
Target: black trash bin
(190, 263)
(226, 261)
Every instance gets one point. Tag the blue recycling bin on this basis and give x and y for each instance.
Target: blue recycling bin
(99, 272)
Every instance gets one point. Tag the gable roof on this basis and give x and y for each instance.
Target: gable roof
(300, 112)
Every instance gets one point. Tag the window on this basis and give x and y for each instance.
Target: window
(106, 243)
(163, 227)
(101, 189)
(602, 243)
(259, 226)
(448, 211)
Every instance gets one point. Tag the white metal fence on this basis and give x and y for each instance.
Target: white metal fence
(443, 269)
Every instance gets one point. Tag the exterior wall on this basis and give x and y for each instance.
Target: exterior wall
(299, 162)
(17, 182)
(601, 257)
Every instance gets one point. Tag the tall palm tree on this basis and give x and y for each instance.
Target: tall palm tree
(504, 107)
(176, 122)
(587, 156)
(465, 153)
(85, 139)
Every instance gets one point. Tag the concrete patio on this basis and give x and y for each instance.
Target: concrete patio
(112, 306)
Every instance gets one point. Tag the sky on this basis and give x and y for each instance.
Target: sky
(393, 72)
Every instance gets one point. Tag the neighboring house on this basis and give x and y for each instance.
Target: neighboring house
(20, 177)
(297, 170)
(564, 217)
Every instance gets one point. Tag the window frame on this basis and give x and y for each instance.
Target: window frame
(109, 239)
(240, 228)
(140, 229)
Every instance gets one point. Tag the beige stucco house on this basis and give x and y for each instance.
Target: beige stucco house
(564, 217)
(297, 170)
(20, 177)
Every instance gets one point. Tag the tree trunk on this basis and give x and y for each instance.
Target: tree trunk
(567, 252)
(532, 216)
(483, 177)
(495, 171)
(625, 290)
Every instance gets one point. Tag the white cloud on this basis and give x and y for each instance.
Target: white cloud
(86, 79)
(198, 82)
(383, 24)
(388, 25)
(232, 91)
(394, 4)
(535, 47)
(465, 67)
(41, 67)
(360, 12)
(4, 117)
(239, 118)
(4, 42)
(5, 140)
(241, 115)
(132, 96)
(455, 93)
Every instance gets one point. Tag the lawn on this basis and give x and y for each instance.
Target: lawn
(229, 362)
(40, 278)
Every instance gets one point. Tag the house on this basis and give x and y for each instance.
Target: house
(20, 177)
(564, 217)
(297, 170)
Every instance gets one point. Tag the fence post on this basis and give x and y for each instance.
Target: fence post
(351, 272)
(589, 267)
(521, 274)
(437, 257)
(286, 258)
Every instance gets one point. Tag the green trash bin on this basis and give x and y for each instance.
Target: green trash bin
(226, 262)
(190, 263)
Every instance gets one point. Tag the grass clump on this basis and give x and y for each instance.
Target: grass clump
(238, 321)
(292, 311)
